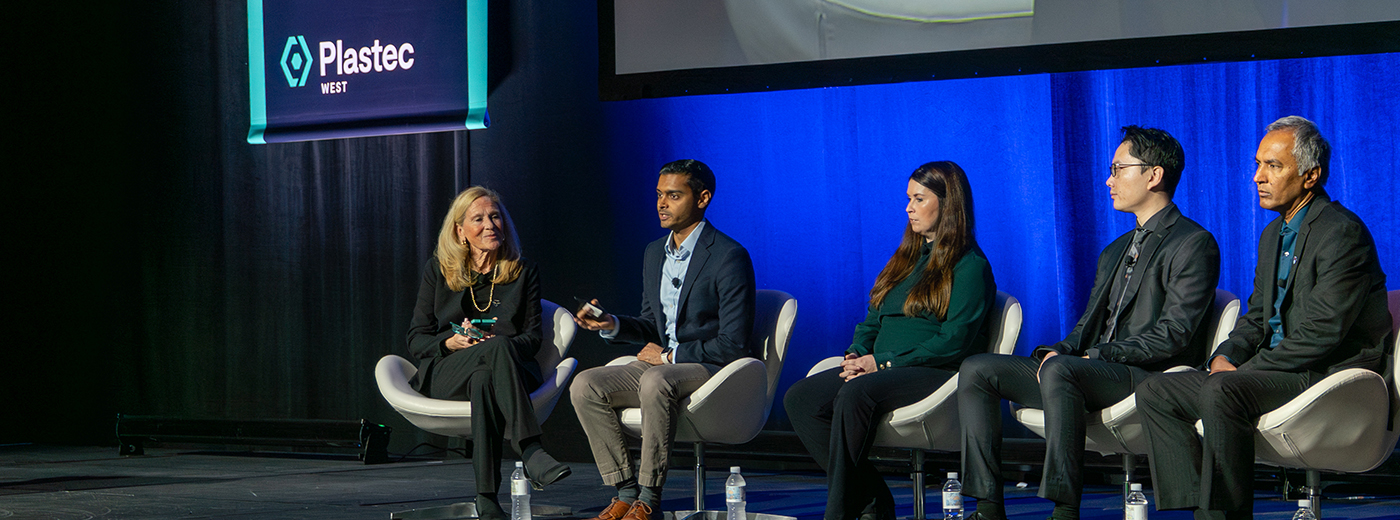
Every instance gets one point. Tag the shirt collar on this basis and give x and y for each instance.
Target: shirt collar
(1154, 223)
(924, 249)
(683, 252)
(1292, 226)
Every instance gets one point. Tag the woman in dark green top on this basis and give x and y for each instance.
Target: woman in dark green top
(927, 313)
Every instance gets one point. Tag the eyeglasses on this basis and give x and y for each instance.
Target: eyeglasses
(1114, 168)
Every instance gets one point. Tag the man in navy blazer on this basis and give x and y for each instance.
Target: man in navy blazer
(1318, 307)
(697, 313)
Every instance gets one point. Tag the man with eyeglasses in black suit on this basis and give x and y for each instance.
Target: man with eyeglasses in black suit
(1152, 292)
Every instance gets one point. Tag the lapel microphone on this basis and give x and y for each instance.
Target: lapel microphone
(675, 282)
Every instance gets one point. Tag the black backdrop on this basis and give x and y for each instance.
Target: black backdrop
(161, 265)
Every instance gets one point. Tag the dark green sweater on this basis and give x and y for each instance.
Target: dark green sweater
(897, 340)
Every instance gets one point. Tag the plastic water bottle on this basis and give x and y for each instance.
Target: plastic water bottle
(1136, 506)
(952, 497)
(734, 495)
(519, 493)
(1304, 511)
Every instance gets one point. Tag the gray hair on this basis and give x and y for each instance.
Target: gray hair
(1310, 150)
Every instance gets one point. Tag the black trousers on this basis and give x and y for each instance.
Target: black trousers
(1217, 472)
(1068, 387)
(835, 420)
(489, 375)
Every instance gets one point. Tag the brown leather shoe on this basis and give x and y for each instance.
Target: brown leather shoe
(640, 511)
(615, 511)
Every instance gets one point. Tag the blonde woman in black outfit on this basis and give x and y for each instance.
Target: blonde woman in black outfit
(477, 274)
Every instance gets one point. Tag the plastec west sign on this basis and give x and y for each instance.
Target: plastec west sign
(324, 69)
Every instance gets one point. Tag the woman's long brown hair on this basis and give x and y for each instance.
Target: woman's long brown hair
(953, 237)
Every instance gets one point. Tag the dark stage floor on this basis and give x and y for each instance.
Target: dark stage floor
(76, 483)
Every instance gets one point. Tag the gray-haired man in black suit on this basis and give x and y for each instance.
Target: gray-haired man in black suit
(1319, 306)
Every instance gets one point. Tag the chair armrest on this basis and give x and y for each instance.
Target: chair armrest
(621, 361)
(825, 364)
(547, 395)
(554, 379)
(1334, 401)
(730, 408)
(737, 382)
(1120, 410)
(1338, 424)
(927, 406)
(392, 374)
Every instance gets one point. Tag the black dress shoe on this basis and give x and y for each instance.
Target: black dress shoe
(978, 515)
(488, 509)
(543, 470)
(877, 511)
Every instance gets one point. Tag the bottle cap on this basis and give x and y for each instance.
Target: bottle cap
(1305, 503)
(1136, 487)
(952, 474)
(734, 469)
(519, 464)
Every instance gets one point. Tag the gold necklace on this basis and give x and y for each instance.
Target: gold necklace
(490, 296)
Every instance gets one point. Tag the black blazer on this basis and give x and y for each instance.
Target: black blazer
(1335, 314)
(1163, 324)
(518, 319)
(716, 304)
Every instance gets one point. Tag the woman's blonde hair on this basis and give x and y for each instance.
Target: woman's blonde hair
(452, 253)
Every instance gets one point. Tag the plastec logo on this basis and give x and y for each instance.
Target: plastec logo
(301, 61)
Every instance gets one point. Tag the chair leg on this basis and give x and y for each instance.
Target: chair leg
(917, 475)
(1315, 492)
(699, 476)
(1129, 465)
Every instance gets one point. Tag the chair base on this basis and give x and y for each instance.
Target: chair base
(468, 510)
(719, 515)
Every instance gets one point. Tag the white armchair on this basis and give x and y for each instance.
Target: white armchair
(1339, 424)
(454, 418)
(727, 408)
(932, 423)
(1118, 428)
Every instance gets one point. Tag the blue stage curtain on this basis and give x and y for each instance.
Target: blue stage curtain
(813, 181)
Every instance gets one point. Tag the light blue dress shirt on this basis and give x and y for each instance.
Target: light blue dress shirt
(673, 269)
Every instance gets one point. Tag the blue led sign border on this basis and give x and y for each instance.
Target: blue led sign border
(476, 65)
(257, 86)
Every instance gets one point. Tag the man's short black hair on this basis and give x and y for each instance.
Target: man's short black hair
(1157, 148)
(699, 176)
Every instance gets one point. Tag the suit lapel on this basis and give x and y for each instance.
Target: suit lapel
(452, 303)
(1099, 300)
(651, 279)
(1268, 252)
(698, 257)
(1299, 243)
(1145, 257)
